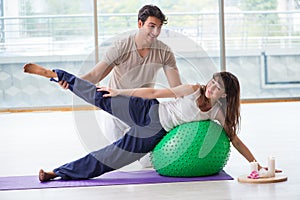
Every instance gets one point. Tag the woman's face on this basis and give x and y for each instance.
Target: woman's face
(215, 89)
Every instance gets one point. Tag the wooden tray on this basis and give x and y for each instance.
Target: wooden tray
(277, 178)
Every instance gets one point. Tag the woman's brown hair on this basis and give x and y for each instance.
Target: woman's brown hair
(231, 103)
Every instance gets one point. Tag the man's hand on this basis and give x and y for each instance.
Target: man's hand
(111, 92)
(63, 84)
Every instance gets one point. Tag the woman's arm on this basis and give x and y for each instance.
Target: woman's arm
(242, 149)
(239, 145)
(236, 142)
(152, 93)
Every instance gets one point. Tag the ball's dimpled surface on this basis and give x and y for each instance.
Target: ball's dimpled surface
(192, 149)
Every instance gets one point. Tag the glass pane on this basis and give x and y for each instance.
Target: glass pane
(263, 47)
(192, 32)
(54, 33)
(60, 33)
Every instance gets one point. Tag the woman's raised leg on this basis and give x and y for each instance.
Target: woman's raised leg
(131, 110)
(39, 70)
(82, 88)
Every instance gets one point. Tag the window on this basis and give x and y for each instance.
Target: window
(261, 39)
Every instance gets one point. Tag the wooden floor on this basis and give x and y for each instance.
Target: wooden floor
(34, 140)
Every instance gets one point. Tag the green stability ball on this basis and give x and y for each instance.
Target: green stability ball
(192, 149)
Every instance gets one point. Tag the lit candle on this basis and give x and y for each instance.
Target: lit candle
(271, 166)
(253, 166)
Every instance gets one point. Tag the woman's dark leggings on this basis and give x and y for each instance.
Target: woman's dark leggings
(144, 133)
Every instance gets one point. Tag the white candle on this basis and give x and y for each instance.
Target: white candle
(271, 166)
(253, 166)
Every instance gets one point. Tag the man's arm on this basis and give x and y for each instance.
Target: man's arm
(173, 77)
(98, 73)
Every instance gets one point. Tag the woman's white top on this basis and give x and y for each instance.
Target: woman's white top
(184, 109)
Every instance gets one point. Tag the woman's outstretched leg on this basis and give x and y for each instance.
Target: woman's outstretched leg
(46, 176)
(119, 106)
(39, 70)
(82, 88)
(128, 149)
(137, 112)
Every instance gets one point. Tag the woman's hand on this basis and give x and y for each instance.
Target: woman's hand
(111, 92)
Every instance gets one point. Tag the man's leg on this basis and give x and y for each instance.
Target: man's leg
(113, 128)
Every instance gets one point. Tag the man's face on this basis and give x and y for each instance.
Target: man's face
(150, 29)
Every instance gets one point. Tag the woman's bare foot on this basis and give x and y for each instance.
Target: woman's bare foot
(32, 68)
(46, 176)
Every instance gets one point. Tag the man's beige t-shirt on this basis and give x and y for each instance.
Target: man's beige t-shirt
(133, 71)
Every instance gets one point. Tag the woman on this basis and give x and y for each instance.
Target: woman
(149, 120)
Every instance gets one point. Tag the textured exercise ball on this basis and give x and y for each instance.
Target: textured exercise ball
(192, 149)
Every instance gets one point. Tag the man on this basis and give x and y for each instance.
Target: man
(134, 62)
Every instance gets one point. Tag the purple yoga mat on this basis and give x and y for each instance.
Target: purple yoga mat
(111, 178)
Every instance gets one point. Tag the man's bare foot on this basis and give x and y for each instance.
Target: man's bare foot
(32, 68)
(46, 176)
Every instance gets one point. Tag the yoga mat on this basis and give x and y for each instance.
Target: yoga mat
(111, 178)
